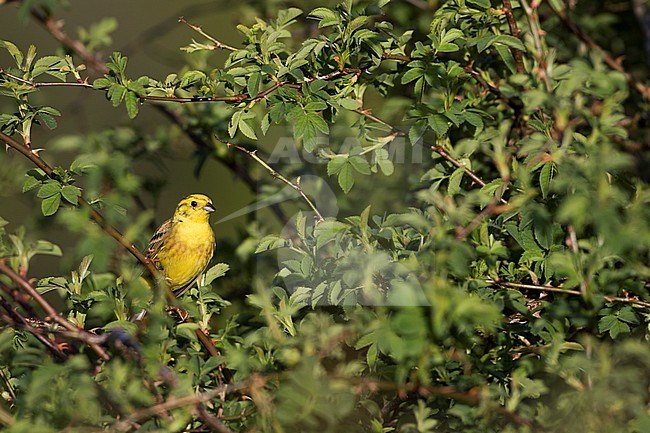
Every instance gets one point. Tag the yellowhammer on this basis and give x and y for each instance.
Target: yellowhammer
(182, 246)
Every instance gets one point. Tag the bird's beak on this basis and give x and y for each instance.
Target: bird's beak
(209, 208)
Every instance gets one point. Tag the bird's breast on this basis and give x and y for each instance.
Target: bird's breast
(188, 252)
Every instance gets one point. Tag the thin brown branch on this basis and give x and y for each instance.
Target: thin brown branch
(559, 289)
(295, 186)
(616, 65)
(55, 28)
(93, 62)
(514, 31)
(217, 44)
(443, 153)
(489, 210)
(211, 421)
(471, 397)
(400, 57)
(16, 320)
(367, 113)
(541, 53)
(192, 400)
(51, 311)
(514, 103)
(94, 214)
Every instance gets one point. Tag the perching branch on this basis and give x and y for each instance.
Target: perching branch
(94, 214)
(295, 186)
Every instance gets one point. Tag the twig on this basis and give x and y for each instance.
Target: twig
(514, 31)
(16, 320)
(471, 397)
(211, 421)
(540, 48)
(51, 312)
(217, 44)
(365, 112)
(549, 288)
(443, 153)
(188, 400)
(607, 57)
(94, 214)
(295, 186)
(489, 210)
(93, 62)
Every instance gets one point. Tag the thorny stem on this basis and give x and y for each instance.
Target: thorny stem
(295, 186)
(443, 153)
(199, 30)
(607, 57)
(94, 214)
(514, 31)
(51, 312)
(540, 50)
(188, 400)
(559, 289)
(15, 319)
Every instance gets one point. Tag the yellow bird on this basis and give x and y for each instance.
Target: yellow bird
(182, 246)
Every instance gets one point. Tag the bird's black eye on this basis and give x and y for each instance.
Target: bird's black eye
(193, 204)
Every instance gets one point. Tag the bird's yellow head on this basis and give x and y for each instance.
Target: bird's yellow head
(195, 207)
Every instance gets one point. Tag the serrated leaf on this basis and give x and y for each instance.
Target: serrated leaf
(253, 84)
(30, 184)
(71, 193)
(346, 178)
(50, 205)
(359, 164)
(131, 102)
(13, 51)
(217, 271)
(247, 130)
(454, 181)
(49, 189)
(438, 123)
(335, 164)
(545, 176)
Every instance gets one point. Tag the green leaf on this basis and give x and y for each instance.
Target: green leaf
(483, 4)
(217, 271)
(439, 123)
(359, 164)
(71, 193)
(13, 51)
(346, 178)
(253, 84)
(545, 176)
(454, 181)
(46, 248)
(30, 183)
(326, 16)
(335, 164)
(49, 189)
(131, 102)
(247, 130)
(50, 205)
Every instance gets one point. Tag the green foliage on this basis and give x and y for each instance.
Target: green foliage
(496, 283)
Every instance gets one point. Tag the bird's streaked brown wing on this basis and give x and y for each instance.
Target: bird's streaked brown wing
(158, 240)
